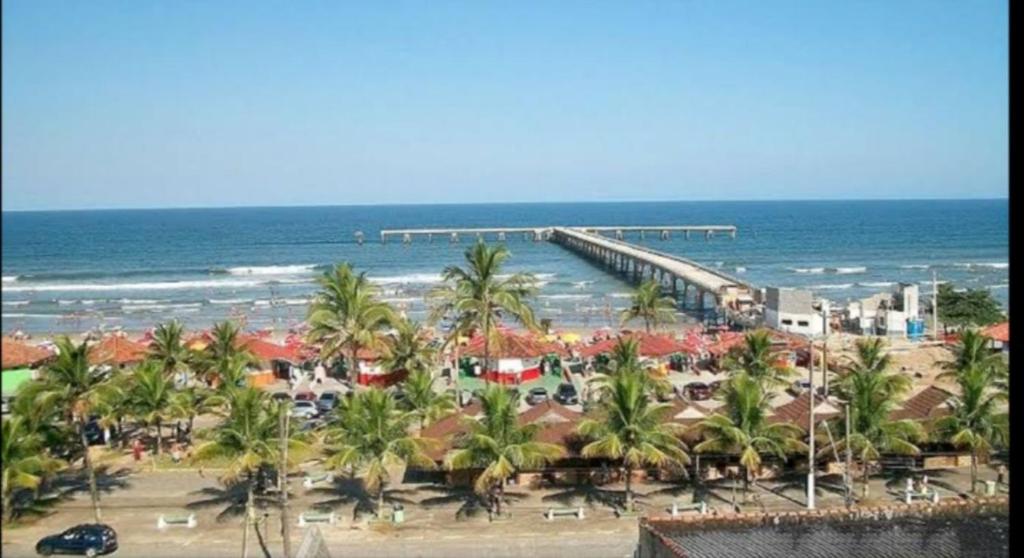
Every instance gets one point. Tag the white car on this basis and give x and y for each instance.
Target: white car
(800, 386)
(304, 409)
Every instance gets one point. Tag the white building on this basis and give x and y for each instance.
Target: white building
(795, 311)
(885, 313)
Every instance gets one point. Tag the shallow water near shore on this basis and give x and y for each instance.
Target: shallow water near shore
(71, 271)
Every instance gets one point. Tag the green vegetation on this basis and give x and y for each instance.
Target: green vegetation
(972, 307)
(25, 463)
(345, 316)
(977, 423)
(478, 296)
(371, 436)
(627, 426)
(759, 360)
(498, 446)
(651, 306)
(873, 394)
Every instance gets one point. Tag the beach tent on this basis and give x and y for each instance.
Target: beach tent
(16, 354)
(372, 371)
(117, 350)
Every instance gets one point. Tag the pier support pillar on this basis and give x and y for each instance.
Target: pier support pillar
(664, 235)
(501, 237)
(406, 238)
(359, 238)
(687, 234)
(454, 238)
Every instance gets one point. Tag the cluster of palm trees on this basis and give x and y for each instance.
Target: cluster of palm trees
(372, 434)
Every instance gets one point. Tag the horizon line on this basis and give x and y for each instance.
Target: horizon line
(428, 204)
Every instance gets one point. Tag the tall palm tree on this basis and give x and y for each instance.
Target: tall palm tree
(345, 316)
(478, 296)
(373, 440)
(757, 358)
(113, 404)
(743, 428)
(25, 461)
(194, 401)
(232, 373)
(167, 348)
(625, 360)
(424, 401)
(651, 306)
(151, 396)
(76, 386)
(249, 438)
(872, 394)
(976, 423)
(409, 349)
(628, 426)
(498, 446)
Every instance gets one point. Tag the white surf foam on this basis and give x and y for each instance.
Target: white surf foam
(10, 278)
(620, 295)
(877, 284)
(582, 284)
(129, 308)
(741, 269)
(850, 270)
(808, 269)
(148, 286)
(49, 316)
(838, 287)
(424, 278)
(271, 269)
(229, 300)
(914, 266)
(565, 296)
(17, 302)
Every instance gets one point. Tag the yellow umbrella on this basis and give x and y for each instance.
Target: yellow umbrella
(550, 337)
(571, 337)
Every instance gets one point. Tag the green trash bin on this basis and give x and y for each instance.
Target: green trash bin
(398, 514)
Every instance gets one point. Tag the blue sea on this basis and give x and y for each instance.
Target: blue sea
(70, 271)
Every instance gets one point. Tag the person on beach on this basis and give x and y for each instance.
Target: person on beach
(137, 450)
(176, 453)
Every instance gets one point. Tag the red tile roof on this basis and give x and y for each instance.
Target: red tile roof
(648, 345)
(999, 332)
(117, 350)
(929, 403)
(16, 354)
(798, 411)
(267, 351)
(513, 345)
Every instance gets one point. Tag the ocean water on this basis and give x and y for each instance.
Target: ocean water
(72, 271)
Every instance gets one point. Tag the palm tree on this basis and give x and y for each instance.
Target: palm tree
(232, 373)
(167, 348)
(409, 349)
(625, 359)
(872, 395)
(114, 403)
(423, 400)
(24, 459)
(346, 316)
(76, 386)
(757, 358)
(629, 427)
(374, 439)
(249, 438)
(498, 446)
(651, 306)
(194, 401)
(744, 430)
(477, 297)
(150, 397)
(976, 423)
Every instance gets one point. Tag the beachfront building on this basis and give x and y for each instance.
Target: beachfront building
(20, 363)
(117, 351)
(795, 311)
(513, 358)
(895, 313)
(1000, 334)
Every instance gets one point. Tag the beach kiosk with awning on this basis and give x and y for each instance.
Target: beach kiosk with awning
(514, 358)
(19, 361)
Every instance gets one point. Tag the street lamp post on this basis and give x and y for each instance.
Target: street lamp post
(810, 430)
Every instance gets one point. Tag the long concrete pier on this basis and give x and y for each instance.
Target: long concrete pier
(709, 287)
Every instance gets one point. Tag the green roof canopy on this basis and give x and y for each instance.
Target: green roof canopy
(11, 380)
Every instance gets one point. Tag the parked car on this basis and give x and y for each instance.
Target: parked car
(89, 539)
(537, 395)
(566, 394)
(800, 386)
(281, 396)
(94, 432)
(328, 401)
(304, 409)
(698, 391)
(305, 396)
(6, 405)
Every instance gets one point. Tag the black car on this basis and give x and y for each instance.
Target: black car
(89, 539)
(281, 396)
(537, 395)
(566, 394)
(698, 391)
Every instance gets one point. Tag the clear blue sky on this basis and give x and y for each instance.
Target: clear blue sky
(179, 104)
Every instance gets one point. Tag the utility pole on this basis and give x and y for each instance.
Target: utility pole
(935, 306)
(849, 459)
(282, 479)
(810, 430)
(824, 349)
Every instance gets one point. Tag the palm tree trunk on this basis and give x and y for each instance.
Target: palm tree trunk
(353, 374)
(746, 483)
(159, 437)
(629, 491)
(867, 478)
(974, 470)
(647, 324)
(8, 503)
(248, 519)
(191, 423)
(94, 493)
(380, 502)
